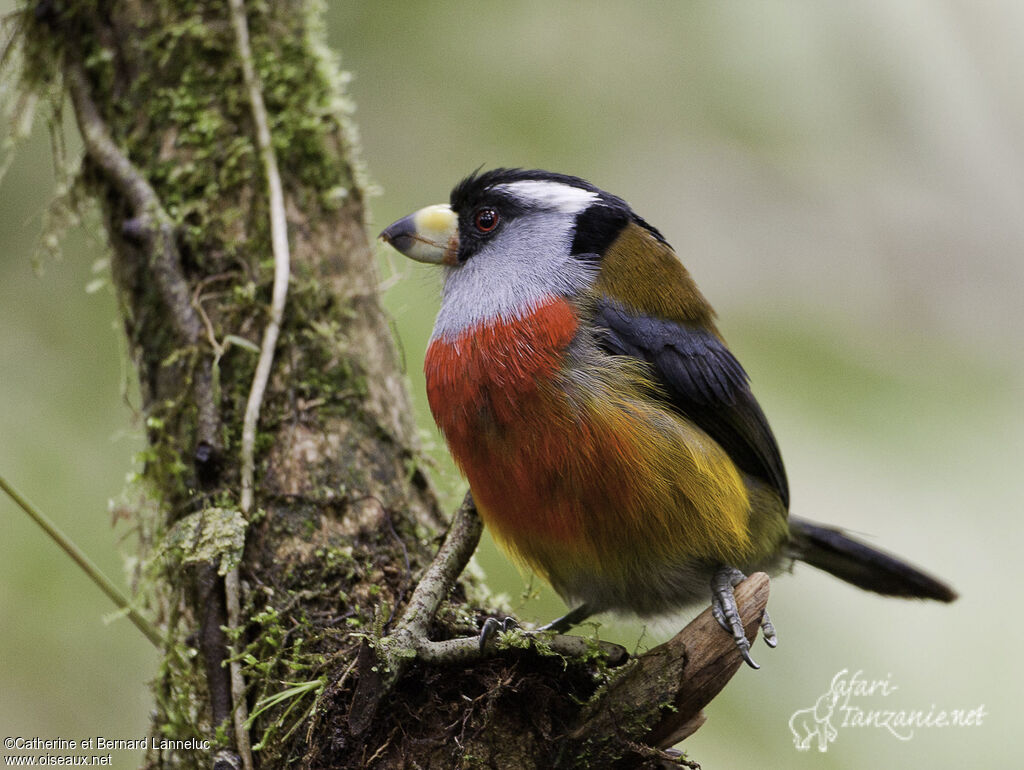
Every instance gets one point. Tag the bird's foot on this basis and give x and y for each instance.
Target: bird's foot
(492, 626)
(560, 625)
(723, 607)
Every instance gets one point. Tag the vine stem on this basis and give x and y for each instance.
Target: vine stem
(282, 261)
(279, 246)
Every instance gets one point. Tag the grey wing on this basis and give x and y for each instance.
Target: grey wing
(703, 381)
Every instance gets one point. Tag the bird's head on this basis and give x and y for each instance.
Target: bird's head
(511, 238)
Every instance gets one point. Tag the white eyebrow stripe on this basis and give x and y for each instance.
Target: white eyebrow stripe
(551, 195)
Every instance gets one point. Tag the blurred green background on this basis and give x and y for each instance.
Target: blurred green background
(846, 183)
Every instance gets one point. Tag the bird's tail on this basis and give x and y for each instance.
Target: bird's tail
(865, 567)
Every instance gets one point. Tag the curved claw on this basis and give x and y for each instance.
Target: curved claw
(725, 611)
(745, 652)
(768, 631)
(492, 626)
(560, 625)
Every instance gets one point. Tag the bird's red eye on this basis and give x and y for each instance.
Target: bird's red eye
(486, 220)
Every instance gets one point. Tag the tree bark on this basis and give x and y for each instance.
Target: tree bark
(339, 662)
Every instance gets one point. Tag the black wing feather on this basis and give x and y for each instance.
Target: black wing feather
(704, 382)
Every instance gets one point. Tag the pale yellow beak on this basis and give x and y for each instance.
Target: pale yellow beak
(429, 235)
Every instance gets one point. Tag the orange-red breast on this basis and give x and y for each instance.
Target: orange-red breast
(610, 439)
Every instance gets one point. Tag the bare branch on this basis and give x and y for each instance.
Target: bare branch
(663, 691)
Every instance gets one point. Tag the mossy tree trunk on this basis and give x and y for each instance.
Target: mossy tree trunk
(343, 521)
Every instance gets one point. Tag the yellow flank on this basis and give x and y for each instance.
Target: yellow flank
(690, 500)
(647, 276)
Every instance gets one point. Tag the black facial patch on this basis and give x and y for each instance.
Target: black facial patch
(600, 224)
(597, 226)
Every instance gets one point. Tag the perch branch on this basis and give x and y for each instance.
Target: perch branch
(400, 648)
(409, 640)
(459, 545)
(663, 691)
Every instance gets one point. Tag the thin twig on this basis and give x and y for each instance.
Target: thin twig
(462, 539)
(197, 304)
(282, 260)
(86, 564)
(411, 631)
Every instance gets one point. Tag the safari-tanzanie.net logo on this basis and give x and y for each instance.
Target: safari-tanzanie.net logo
(856, 702)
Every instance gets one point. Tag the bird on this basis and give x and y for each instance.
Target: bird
(611, 440)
